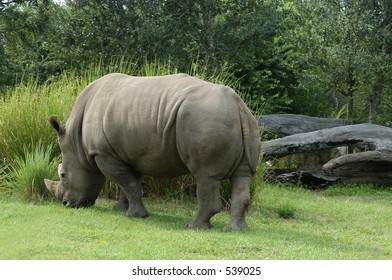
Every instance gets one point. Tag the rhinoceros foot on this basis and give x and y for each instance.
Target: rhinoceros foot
(199, 225)
(137, 211)
(121, 206)
(236, 226)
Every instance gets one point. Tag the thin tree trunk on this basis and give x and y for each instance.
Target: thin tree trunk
(375, 101)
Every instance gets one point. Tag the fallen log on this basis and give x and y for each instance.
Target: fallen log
(289, 124)
(366, 167)
(375, 137)
(311, 178)
(373, 167)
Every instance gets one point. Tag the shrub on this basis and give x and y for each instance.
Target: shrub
(25, 110)
(286, 211)
(25, 178)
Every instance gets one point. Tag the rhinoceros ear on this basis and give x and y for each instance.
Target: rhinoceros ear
(56, 125)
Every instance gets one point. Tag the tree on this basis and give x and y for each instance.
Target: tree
(341, 51)
(237, 34)
(378, 44)
(241, 35)
(27, 34)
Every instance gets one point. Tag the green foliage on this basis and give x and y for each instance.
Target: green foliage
(340, 52)
(286, 211)
(158, 68)
(289, 56)
(25, 178)
(26, 107)
(43, 39)
(25, 110)
(178, 188)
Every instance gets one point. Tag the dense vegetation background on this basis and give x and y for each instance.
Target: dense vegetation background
(321, 58)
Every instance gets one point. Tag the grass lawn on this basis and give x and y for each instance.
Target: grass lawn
(342, 222)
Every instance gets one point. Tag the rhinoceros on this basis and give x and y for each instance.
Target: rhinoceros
(123, 127)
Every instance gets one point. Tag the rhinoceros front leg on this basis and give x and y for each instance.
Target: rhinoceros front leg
(209, 202)
(129, 182)
(122, 203)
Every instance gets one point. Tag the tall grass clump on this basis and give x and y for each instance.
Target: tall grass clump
(98, 69)
(24, 114)
(157, 68)
(25, 178)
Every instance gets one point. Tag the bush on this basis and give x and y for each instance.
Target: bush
(25, 178)
(25, 110)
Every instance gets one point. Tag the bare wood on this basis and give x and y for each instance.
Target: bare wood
(289, 124)
(366, 167)
(376, 137)
(374, 166)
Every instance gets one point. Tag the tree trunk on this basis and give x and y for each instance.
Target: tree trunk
(375, 101)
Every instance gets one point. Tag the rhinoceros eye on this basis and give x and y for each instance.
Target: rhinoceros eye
(62, 175)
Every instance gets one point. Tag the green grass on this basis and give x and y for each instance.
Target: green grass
(331, 224)
(25, 111)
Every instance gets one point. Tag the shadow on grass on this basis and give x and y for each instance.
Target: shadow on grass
(167, 221)
(157, 218)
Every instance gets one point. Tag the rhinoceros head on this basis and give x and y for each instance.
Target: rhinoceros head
(78, 186)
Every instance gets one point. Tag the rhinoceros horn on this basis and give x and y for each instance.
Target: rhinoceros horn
(53, 187)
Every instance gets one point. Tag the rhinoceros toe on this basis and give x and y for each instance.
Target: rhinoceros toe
(120, 206)
(137, 212)
(198, 225)
(236, 226)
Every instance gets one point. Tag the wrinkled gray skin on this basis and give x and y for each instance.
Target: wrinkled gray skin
(124, 127)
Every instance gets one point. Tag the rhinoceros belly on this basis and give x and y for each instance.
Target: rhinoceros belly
(152, 156)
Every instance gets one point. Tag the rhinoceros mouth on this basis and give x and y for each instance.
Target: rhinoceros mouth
(80, 204)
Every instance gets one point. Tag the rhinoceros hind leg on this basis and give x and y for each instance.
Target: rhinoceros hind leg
(209, 203)
(240, 200)
(129, 182)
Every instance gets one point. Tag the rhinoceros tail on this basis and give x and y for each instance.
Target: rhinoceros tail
(250, 136)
